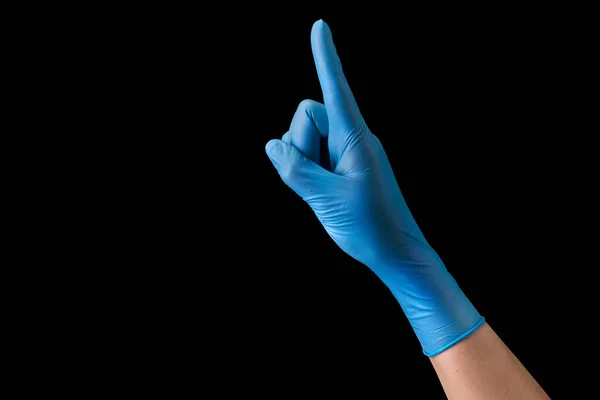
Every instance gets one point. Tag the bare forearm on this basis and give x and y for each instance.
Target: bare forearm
(482, 367)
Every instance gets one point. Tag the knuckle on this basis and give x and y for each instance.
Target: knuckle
(287, 174)
(307, 105)
(292, 172)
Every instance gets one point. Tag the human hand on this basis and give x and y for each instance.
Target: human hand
(358, 202)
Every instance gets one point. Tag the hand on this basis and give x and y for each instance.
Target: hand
(359, 203)
(358, 200)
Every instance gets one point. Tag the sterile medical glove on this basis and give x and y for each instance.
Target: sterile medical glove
(359, 203)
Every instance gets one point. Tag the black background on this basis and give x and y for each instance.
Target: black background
(216, 273)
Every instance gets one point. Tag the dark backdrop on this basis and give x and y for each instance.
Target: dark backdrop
(224, 276)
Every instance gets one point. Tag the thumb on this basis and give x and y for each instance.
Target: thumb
(302, 175)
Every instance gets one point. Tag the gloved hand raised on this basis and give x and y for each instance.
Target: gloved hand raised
(359, 203)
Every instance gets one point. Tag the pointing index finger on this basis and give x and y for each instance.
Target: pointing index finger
(338, 98)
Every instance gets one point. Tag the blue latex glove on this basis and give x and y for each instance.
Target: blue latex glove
(359, 203)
